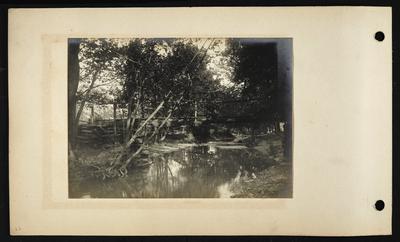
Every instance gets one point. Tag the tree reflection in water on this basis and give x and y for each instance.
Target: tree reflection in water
(197, 172)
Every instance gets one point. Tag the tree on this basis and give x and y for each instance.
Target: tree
(91, 65)
(98, 61)
(159, 76)
(254, 65)
(73, 81)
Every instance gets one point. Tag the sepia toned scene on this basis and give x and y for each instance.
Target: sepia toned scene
(180, 118)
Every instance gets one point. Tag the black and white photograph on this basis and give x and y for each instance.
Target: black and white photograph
(201, 121)
(180, 118)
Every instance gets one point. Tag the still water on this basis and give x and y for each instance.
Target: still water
(201, 171)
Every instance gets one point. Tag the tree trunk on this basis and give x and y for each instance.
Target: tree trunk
(71, 154)
(73, 81)
(195, 111)
(132, 139)
(128, 120)
(121, 165)
(83, 101)
(155, 132)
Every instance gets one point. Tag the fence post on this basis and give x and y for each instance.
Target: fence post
(123, 123)
(115, 122)
(92, 114)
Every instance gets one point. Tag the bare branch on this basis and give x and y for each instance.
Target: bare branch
(91, 88)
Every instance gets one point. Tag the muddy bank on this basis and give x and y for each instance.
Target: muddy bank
(273, 182)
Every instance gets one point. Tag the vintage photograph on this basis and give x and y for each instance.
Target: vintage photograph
(180, 118)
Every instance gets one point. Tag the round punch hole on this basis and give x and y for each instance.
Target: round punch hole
(379, 36)
(380, 205)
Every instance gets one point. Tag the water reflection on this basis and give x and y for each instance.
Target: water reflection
(206, 171)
